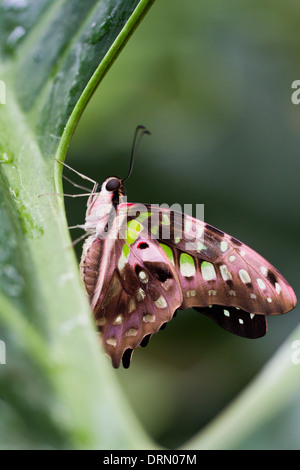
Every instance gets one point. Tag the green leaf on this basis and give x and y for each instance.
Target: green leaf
(57, 389)
(271, 392)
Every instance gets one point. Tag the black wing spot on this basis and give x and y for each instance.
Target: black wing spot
(163, 274)
(214, 229)
(127, 358)
(229, 283)
(142, 245)
(236, 242)
(271, 277)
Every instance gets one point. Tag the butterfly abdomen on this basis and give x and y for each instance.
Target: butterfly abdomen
(90, 261)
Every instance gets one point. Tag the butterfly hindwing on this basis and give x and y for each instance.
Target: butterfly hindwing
(237, 321)
(140, 290)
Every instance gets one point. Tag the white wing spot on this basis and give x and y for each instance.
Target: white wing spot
(226, 313)
(252, 315)
(212, 292)
(131, 332)
(223, 246)
(253, 296)
(122, 262)
(208, 271)
(244, 276)
(118, 320)
(191, 293)
(269, 299)
(261, 284)
(140, 295)
(225, 273)
(277, 287)
(149, 318)
(112, 341)
(231, 258)
(161, 302)
(232, 292)
(187, 265)
(241, 321)
(263, 270)
(143, 277)
(131, 305)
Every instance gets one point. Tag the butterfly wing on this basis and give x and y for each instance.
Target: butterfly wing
(219, 275)
(132, 287)
(162, 260)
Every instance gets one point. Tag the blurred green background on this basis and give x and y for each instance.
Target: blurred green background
(212, 81)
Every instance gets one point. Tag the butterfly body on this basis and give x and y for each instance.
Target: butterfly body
(141, 263)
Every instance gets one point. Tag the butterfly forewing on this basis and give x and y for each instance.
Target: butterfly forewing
(215, 268)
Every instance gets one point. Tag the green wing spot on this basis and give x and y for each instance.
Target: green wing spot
(123, 260)
(133, 230)
(143, 216)
(125, 250)
(168, 252)
(208, 271)
(187, 265)
(154, 229)
(165, 219)
(134, 225)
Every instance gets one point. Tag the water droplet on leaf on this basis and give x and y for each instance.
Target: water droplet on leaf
(6, 157)
(15, 37)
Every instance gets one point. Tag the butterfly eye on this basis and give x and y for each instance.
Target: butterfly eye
(113, 184)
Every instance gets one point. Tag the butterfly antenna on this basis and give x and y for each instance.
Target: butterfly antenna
(139, 132)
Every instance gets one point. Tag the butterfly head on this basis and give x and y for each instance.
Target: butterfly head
(109, 192)
(111, 189)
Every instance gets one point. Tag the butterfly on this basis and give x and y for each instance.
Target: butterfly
(141, 263)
